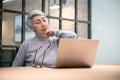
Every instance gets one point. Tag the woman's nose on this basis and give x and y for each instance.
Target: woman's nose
(43, 23)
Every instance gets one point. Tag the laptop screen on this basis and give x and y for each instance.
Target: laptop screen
(76, 53)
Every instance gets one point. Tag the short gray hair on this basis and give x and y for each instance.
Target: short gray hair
(31, 14)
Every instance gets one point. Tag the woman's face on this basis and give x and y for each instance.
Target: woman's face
(40, 25)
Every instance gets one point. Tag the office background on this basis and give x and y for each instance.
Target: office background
(106, 28)
(90, 19)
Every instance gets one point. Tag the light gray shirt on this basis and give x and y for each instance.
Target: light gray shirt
(32, 50)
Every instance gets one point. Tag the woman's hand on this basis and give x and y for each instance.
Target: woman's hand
(50, 33)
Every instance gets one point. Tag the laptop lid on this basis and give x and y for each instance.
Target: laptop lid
(76, 53)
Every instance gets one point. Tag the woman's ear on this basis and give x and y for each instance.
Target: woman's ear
(32, 28)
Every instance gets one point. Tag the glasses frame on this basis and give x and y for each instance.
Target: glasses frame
(42, 62)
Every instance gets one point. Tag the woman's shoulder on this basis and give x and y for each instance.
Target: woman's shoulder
(28, 41)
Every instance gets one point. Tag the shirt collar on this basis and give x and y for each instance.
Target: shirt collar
(43, 38)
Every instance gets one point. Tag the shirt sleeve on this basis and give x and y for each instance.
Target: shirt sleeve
(20, 57)
(65, 34)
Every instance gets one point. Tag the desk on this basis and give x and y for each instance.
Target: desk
(97, 72)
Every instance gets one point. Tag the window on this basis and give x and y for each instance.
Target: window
(73, 15)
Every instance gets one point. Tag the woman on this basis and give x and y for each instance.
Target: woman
(40, 50)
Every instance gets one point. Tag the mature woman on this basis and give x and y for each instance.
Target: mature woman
(40, 50)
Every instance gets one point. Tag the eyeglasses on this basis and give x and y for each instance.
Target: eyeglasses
(41, 64)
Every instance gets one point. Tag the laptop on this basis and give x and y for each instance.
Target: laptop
(75, 53)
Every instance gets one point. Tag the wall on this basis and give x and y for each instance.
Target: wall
(106, 28)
